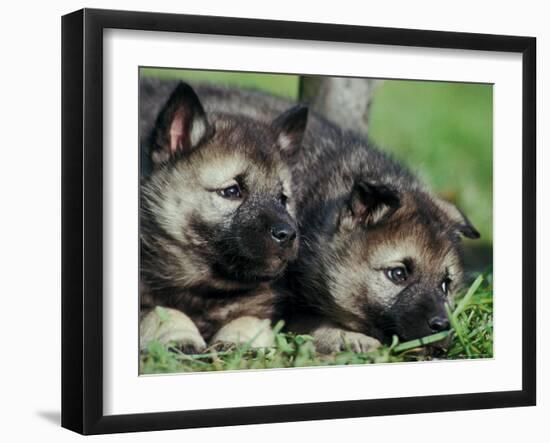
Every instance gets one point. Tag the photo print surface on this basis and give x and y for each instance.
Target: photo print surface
(297, 220)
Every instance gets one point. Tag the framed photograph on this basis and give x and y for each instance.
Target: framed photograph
(270, 221)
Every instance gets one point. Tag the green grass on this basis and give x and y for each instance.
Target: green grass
(471, 336)
(276, 84)
(443, 132)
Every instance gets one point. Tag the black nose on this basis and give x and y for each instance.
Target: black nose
(438, 324)
(283, 234)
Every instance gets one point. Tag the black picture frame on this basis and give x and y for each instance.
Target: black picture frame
(82, 220)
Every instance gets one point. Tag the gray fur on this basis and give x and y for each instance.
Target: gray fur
(211, 257)
(360, 214)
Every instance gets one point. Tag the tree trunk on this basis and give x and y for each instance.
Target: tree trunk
(343, 100)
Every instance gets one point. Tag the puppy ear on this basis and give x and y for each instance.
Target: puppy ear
(457, 218)
(370, 204)
(290, 127)
(181, 125)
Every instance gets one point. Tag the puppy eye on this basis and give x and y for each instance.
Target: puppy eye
(445, 285)
(398, 274)
(232, 192)
(283, 199)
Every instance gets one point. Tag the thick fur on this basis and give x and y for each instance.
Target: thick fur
(361, 214)
(209, 258)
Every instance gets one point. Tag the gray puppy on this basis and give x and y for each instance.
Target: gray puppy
(380, 253)
(217, 219)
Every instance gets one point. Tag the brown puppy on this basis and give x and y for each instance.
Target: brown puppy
(380, 254)
(217, 221)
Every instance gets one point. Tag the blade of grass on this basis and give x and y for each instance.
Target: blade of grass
(466, 299)
(420, 342)
(458, 329)
(233, 361)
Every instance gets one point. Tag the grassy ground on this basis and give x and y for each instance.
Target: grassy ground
(471, 336)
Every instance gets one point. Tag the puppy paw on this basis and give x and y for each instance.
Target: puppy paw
(328, 340)
(246, 329)
(170, 326)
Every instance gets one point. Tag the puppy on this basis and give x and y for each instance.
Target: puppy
(217, 220)
(380, 253)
